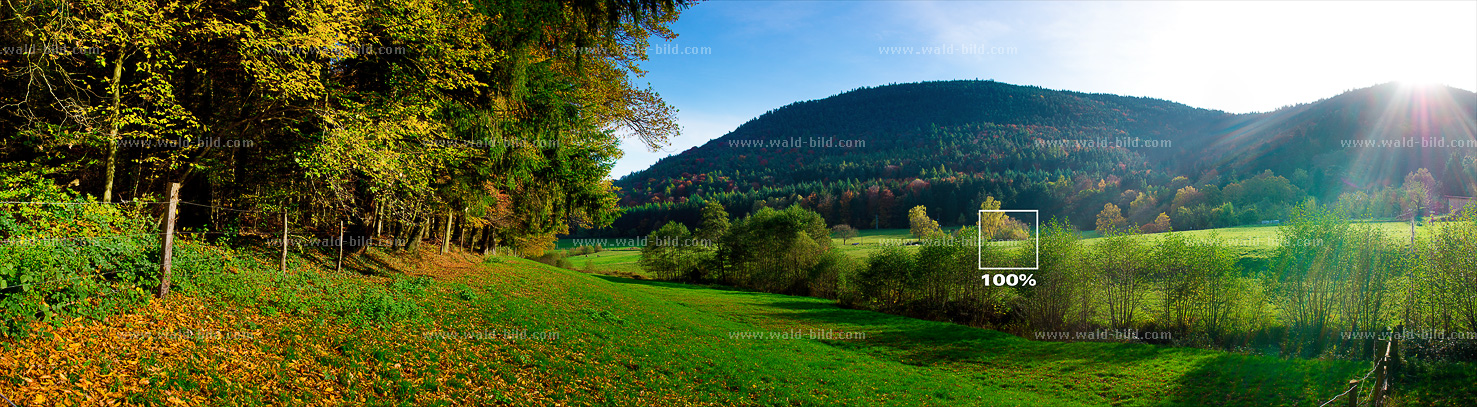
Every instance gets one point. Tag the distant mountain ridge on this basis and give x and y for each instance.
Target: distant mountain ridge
(1341, 136)
(1018, 143)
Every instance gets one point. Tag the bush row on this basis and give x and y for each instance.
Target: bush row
(1308, 300)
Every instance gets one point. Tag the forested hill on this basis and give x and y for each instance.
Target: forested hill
(913, 117)
(877, 113)
(1349, 141)
(864, 157)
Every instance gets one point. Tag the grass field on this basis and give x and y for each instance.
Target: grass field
(932, 363)
(1254, 244)
(514, 332)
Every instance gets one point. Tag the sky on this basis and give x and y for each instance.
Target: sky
(734, 60)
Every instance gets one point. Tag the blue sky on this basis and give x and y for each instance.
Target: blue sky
(735, 60)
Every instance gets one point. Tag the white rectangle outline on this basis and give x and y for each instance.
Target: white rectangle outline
(980, 241)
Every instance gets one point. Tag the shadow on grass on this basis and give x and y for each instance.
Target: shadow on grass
(1242, 380)
(303, 255)
(913, 341)
(369, 263)
(1128, 371)
(675, 285)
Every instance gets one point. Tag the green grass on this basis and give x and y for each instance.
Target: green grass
(681, 351)
(639, 342)
(619, 261)
(679, 334)
(932, 363)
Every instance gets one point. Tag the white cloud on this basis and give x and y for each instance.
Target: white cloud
(1234, 56)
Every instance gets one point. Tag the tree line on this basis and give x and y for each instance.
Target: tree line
(498, 117)
(1142, 200)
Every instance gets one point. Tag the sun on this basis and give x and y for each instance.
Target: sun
(1418, 79)
(1417, 84)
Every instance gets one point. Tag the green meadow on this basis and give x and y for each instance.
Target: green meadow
(1254, 244)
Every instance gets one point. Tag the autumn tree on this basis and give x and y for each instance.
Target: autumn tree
(1141, 209)
(990, 223)
(1186, 197)
(1110, 221)
(379, 114)
(921, 225)
(843, 232)
(1161, 224)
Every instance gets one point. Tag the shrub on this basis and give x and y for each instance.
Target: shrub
(774, 250)
(464, 292)
(411, 285)
(881, 282)
(554, 258)
(1304, 272)
(826, 278)
(1451, 273)
(1121, 268)
(584, 250)
(1061, 281)
(376, 305)
(62, 261)
(667, 256)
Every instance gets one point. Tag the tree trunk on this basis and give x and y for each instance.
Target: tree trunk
(446, 237)
(138, 172)
(476, 239)
(415, 239)
(461, 236)
(396, 235)
(113, 133)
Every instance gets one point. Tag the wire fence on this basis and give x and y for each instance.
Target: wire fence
(125, 203)
(80, 203)
(220, 207)
(85, 238)
(78, 277)
(1385, 366)
(70, 239)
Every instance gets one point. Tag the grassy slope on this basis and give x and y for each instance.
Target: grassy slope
(620, 342)
(975, 366)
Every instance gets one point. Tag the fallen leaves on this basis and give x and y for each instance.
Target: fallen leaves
(187, 351)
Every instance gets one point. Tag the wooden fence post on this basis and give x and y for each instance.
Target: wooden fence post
(1353, 393)
(340, 246)
(1394, 356)
(164, 264)
(284, 241)
(1377, 396)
